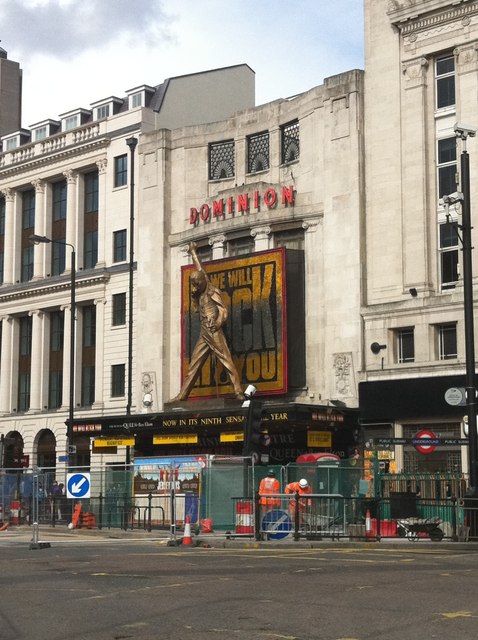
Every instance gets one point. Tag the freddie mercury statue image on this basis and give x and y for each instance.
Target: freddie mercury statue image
(208, 301)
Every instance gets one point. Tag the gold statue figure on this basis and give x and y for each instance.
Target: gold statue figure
(209, 302)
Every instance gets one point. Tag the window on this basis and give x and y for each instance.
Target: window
(121, 170)
(258, 152)
(58, 258)
(446, 166)
(11, 143)
(91, 192)
(204, 252)
(24, 391)
(88, 355)
(103, 111)
(55, 388)
(56, 331)
(87, 386)
(25, 336)
(89, 326)
(119, 246)
(117, 380)
(290, 147)
(221, 160)
(70, 123)
(240, 246)
(447, 343)
(24, 362)
(405, 345)
(59, 200)
(27, 264)
(91, 249)
(2, 236)
(290, 239)
(136, 100)
(28, 209)
(445, 81)
(40, 134)
(119, 309)
(448, 247)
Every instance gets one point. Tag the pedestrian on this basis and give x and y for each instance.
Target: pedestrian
(213, 311)
(269, 486)
(302, 488)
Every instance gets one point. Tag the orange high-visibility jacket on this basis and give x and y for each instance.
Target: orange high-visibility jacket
(269, 486)
(294, 487)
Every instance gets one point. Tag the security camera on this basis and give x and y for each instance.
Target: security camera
(463, 131)
(453, 198)
(250, 391)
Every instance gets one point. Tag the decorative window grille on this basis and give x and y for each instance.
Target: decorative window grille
(290, 143)
(221, 160)
(258, 152)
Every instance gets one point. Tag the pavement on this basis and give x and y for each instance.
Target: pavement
(61, 533)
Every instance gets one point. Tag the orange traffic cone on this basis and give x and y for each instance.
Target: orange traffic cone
(368, 523)
(187, 539)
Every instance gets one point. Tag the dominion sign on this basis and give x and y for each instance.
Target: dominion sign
(253, 288)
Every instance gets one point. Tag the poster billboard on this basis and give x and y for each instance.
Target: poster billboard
(254, 291)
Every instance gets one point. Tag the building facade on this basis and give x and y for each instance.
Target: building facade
(421, 79)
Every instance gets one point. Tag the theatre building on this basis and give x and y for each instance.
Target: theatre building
(273, 198)
(421, 79)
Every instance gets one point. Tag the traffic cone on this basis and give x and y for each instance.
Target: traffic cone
(368, 523)
(187, 539)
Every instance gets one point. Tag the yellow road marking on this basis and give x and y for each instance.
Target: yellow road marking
(458, 614)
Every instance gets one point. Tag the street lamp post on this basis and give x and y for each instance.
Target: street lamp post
(470, 382)
(131, 142)
(36, 239)
(463, 133)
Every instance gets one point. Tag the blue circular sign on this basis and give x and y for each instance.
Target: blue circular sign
(276, 524)
(78, 485)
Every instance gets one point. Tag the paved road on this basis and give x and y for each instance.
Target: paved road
(100, 589)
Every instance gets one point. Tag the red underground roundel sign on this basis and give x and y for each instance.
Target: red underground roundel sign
(425, 441)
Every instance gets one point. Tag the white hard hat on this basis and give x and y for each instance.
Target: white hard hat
(303, 483)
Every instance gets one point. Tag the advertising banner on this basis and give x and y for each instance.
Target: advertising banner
(253, 288)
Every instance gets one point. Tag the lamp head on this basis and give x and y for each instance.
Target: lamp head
(39, 239)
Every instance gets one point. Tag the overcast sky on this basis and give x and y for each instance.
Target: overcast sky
(74, 52)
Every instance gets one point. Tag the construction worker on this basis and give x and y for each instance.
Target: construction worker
(269, 486)
(302, 488)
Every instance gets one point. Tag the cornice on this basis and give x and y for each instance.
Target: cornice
(57, 157)
(45, 287)
(410, 16)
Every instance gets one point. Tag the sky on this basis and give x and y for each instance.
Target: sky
(75, 52)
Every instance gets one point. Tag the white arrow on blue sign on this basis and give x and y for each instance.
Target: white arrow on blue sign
(78, 485)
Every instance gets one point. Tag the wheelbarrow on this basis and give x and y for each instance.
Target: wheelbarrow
(415, 529)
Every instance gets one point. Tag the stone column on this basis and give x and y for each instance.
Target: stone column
(415, 166)
(261, 237)
(36, 362)
(101, 164)
(99, 352)
(71, 213)
(218, 244)
(9, 239)
(65, 393)
(40, 217)
(6, 366)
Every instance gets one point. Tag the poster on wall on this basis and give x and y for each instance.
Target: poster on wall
(160, 475)
(254, 290)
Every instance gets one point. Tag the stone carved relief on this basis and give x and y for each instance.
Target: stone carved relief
(415, 71)
(343, 373)
(467, 58)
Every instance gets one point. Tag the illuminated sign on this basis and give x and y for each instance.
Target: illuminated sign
(319, 439)
(114, 442)
(234, 436)
(253, 288)
(176, 438)
(241, 203)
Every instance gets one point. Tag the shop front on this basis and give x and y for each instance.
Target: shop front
(292, 430)
(410, 426)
